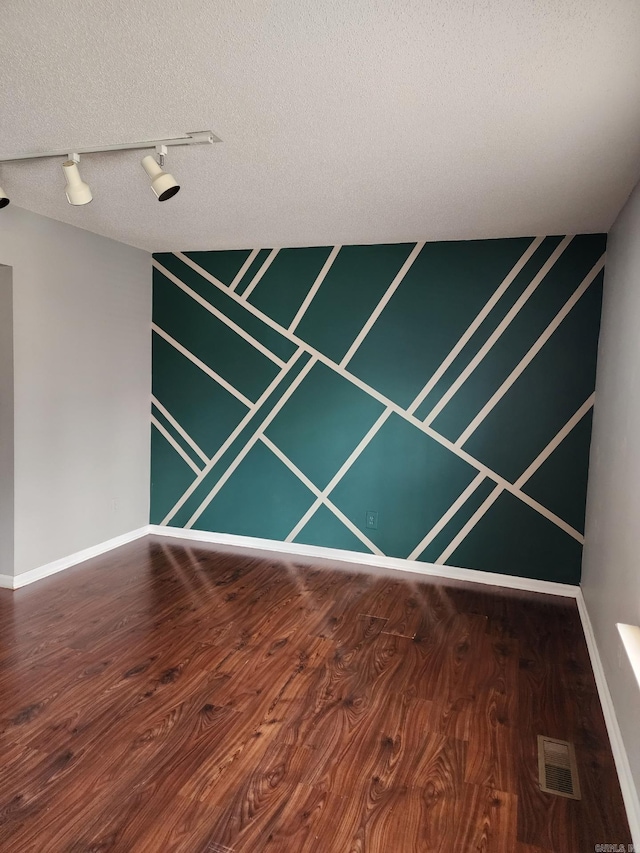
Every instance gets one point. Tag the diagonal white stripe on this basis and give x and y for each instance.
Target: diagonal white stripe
(352, 527)
(257, 277)
(368, 389)
(475, 325)
(233, 435)
(448, 515)
(528, 358)
(339, 474)
(546, 513)
(290, 465)
(497, 333)
(219, 314)
(475, 518)
(203, 273)
(316, 491)
(404, 269)
(254, 438)
(174, 423)
(315, 287)
(492, 475)
(315, 506)
(161, 429)
(555, 442)
(245, 266)
(204, 367)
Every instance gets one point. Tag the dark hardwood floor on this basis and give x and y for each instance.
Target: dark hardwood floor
(172, 698)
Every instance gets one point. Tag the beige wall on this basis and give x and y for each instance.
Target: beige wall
(6, 422)
(611, 562)
(82, 368)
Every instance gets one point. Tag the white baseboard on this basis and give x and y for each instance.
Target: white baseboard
(627, 785)
(72, 560)
(396, 563)
(298, 549)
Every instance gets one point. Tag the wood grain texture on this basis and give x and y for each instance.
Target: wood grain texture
(166, 697)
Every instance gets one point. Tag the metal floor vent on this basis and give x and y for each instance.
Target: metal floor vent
(557, 768)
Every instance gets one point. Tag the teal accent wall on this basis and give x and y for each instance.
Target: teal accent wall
(447, 387)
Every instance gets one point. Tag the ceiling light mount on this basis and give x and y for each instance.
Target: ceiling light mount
(78, 192)
(201, 137)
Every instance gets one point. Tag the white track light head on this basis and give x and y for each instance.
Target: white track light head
(77, 191)
(163, 184)
(4, 198)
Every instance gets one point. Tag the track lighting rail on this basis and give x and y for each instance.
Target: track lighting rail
(78, 192)
(202, 137)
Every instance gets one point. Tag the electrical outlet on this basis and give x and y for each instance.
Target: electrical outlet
(371, 519)
(115, 505)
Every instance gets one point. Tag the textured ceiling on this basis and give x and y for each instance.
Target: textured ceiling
(342, 122)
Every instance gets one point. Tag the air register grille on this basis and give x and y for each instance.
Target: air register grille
(558, 773)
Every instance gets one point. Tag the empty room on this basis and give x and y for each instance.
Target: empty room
(319, 426)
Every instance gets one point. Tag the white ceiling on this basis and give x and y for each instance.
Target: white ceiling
(343, 121)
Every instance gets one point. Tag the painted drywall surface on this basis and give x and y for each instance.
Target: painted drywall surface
(611, 575)
(446, 388)
(6, 421)
(82, 306)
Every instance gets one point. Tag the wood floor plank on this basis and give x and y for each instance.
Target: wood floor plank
(294, 826)
(493, 734)
(172, 697)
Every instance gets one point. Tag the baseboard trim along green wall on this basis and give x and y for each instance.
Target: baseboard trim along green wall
(424, 402)
(335, 556)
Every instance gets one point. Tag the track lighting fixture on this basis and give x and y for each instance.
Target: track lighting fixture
(163, 184)
(78, 192)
